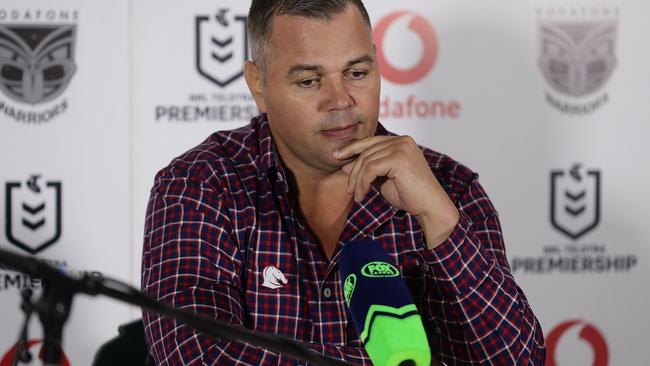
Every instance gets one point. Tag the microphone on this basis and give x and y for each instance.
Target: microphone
(382, 307)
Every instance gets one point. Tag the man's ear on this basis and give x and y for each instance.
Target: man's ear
(254, 80)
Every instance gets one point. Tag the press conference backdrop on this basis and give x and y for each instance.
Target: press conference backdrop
(547, 100)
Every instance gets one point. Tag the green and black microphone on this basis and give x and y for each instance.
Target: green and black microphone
(381, 306)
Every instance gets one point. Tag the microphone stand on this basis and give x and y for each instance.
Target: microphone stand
(21, 352)
(54, 306)
(53, 310)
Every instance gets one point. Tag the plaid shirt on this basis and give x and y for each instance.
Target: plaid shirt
(220, 214)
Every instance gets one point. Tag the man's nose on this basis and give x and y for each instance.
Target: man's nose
(338, 95)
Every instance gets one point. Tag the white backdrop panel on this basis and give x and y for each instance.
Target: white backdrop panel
(86, 148)
(146, 89)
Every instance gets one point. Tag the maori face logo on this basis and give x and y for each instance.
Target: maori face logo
(577, 58)
(36, 61)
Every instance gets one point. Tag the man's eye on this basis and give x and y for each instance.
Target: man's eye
(357, 75)
(307, 83)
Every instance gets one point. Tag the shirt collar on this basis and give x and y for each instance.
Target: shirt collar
(270, 160)
(364, 218)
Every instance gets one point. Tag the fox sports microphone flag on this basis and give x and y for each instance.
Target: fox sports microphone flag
(381, 306)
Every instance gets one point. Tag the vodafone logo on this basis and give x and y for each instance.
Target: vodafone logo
(588, 333)
(8, 358)
(427, 35)
(401, 68)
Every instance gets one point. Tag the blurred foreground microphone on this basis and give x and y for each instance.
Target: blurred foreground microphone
(381, 306)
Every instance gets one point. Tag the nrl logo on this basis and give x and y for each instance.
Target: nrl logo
(36, 61)
(577, 57)
(575, 201)
(221, 47)
(33, 213)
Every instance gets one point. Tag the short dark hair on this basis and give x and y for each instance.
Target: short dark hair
(261, 13)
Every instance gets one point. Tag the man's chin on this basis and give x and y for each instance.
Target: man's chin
(333, 165)
(339, 164)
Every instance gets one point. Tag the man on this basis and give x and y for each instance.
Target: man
(248, 226)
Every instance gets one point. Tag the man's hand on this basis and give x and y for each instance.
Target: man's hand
(397, 167)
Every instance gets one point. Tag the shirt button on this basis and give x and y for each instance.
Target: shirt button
(327, 293)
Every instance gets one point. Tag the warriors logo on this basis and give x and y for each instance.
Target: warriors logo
(575, 201)
(36, 61)
(577, 58)
(221, 47)
(577, 55)
(33, 214)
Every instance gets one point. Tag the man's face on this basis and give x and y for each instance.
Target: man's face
(320, 89)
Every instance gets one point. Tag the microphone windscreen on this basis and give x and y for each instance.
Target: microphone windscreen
(382, 307)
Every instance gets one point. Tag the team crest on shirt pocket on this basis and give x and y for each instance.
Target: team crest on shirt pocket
(273, 278)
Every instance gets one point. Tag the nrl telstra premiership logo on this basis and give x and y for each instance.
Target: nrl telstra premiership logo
(33, 213)
(575, 200)
(221, 46)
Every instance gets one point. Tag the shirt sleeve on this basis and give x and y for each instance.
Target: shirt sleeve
(191, 261)
(472, 304)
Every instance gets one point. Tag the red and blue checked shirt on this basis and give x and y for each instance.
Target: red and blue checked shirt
(220, 214)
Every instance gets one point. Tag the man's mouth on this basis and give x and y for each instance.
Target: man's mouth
(342, 132)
